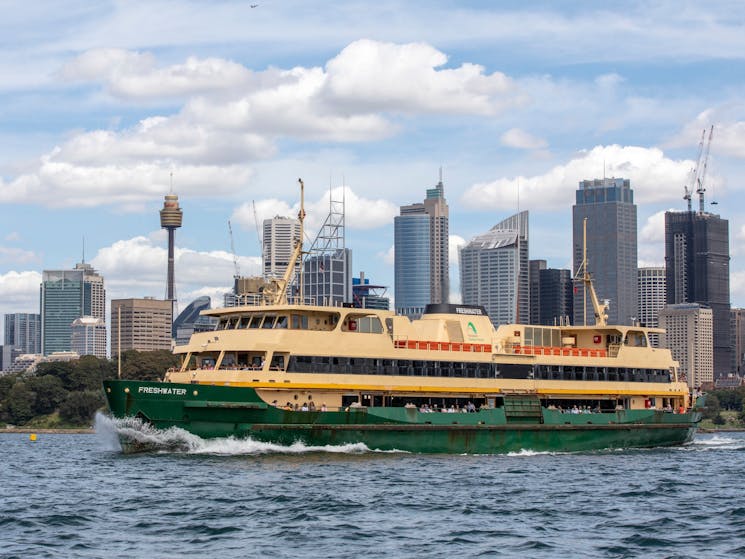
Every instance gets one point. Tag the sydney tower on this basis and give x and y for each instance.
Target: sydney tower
(170, 219)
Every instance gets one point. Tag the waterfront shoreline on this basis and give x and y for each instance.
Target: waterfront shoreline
(44, 431)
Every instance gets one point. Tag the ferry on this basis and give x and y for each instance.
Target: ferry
(279, 370)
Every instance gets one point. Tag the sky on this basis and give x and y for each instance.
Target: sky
(105, 106)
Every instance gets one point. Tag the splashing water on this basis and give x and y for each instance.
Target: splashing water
(138, 435)
(715, 442)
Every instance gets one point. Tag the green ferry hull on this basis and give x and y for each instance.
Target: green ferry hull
(224, 411)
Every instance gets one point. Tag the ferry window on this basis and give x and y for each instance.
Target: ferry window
(299, 322)
(269, 321)
(281, 322)
(223, 325)
(555, 338)
(244, 322)
(232, 323)
(369, 325)
(256, 321)
(528, 336)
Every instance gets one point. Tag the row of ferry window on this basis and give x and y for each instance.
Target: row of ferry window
(363, 324)
(404, 367)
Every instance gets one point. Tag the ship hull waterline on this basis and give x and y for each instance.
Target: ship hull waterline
(226, 411)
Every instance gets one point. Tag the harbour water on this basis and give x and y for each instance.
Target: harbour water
(78, 496)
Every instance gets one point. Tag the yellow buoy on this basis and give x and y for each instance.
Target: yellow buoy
(32, 437)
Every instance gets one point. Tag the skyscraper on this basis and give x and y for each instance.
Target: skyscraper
(421, 269)
(65, 296)
(652, 289)
(327, 277)
(22, 336)
(23, 332)
(494, 271)
(608, 205)
(697, 262)
(688, 328)
(737, 327)
(556, 296)
(145, 324)
(278, 240)
(534, 269)
(88, 336)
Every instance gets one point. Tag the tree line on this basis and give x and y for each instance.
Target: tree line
(72, 390)
(725, 400)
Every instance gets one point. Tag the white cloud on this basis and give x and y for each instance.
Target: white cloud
(455, 242)
(135, 75)
(20, 292)
(16, 255)
(654, 178)
(517, 138)
(232, 115)
(405, 78)
(729, 130)
(389, 256)
(651, 244)
(13, 236)
(58, 184)
(360, 213)
(737, 285)
(136, 267)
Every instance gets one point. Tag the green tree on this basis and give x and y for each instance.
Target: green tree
(712, 408)
(147, 365)
(79, 407)
(89, 372)
(19, 404)
(49, 393)
(61, 369)
(6, 383)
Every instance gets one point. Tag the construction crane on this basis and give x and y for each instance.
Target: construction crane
(702, 176)
(693, 175)
(232, 250)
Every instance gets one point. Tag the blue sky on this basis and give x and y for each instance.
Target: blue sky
(101, 102)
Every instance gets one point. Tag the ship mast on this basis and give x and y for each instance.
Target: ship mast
(583, 275)
(276, 292)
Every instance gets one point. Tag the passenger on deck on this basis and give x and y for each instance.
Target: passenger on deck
(323, 407)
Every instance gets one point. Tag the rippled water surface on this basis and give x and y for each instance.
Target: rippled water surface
(78, 496)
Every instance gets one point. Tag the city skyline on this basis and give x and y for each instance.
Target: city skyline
(102, 106)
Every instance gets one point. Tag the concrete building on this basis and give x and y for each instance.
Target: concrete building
(608, 205)
(190, 321)
(652, 289)
(534, 269)
(555, 295)
(688, 335)
(697, 263)
(421, 269)
(65, 296)
(145, 324)
(88, 336)
(494, 271)
(278, 242)
(737, 328)
(22, 336)
(327, 277)
(367, 295)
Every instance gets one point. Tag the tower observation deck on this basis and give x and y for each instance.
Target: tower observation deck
(170, 219)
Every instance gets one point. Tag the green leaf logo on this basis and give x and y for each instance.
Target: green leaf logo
(472, 327)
